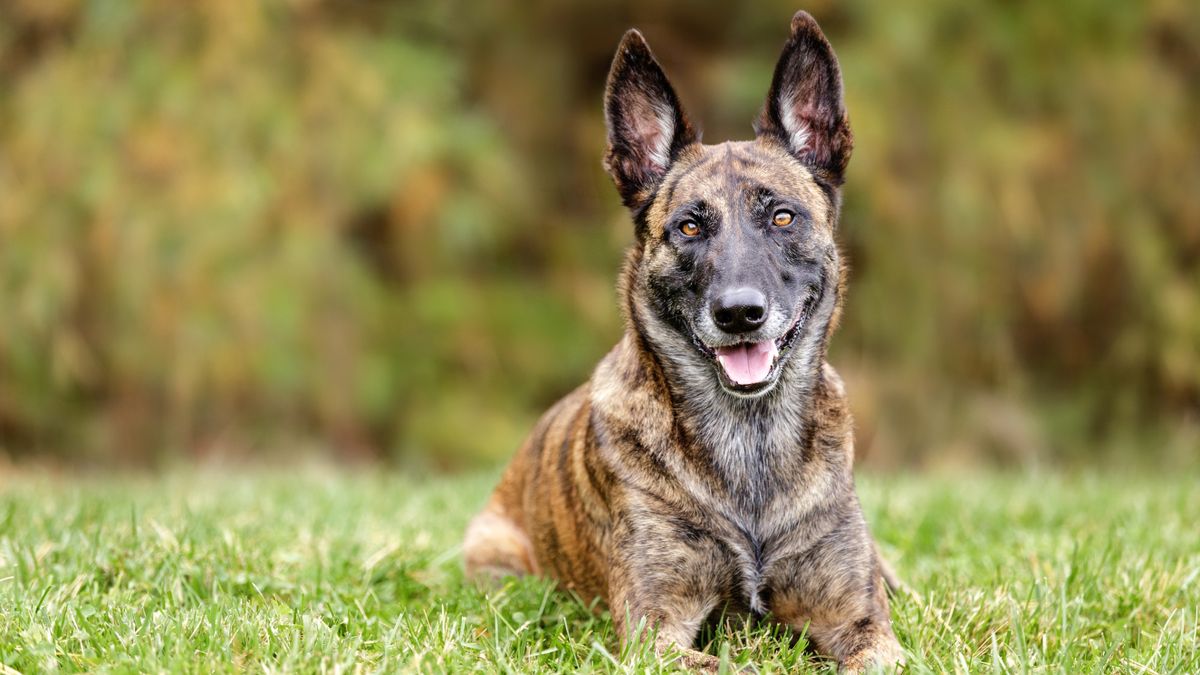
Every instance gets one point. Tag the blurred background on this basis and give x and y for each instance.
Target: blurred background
(380, 231)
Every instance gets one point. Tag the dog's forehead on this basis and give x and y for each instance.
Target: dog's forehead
(723, 175)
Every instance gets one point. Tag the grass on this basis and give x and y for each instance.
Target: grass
(324, 570)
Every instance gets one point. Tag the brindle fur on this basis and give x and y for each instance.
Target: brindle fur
(653, 487)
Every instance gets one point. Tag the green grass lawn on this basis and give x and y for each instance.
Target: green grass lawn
(324, 570)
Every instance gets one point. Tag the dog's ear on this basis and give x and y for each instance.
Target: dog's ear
(804, 108)
(646, 125)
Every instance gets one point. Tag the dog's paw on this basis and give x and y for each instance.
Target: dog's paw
(885, 655)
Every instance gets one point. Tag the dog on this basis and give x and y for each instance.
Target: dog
(706, 465)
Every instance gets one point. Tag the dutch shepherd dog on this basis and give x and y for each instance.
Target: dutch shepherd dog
(706, 465)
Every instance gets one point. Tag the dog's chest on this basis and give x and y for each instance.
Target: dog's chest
(748, 551)
(752, 510)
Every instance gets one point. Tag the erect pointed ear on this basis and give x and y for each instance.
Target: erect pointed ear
(646, 125)
(804, 108)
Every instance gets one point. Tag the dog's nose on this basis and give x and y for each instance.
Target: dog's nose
(739, 310)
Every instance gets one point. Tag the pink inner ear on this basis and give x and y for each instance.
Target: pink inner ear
(651, 127)
(809, 127)
(794, 125)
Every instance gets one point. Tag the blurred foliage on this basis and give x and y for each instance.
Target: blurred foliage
(383, 227)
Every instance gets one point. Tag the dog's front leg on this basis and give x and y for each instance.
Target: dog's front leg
(660, 584)
(836, 591)
(674, 621)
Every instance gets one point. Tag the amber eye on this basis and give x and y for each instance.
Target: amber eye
(689, 228)
(783, 218)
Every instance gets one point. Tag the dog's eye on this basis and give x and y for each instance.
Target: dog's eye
(689, 228)
(783, 218)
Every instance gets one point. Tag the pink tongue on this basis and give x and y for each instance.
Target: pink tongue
(747, 363)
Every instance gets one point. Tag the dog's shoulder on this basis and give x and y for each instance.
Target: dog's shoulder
(831, 418)
(628, 389)
(832, 382)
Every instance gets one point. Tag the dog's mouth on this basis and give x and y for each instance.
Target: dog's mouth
(750, 368)
(749, 363)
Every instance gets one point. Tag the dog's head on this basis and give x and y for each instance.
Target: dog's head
(737, 273)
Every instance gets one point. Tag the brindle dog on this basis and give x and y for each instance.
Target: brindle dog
(707, 463)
